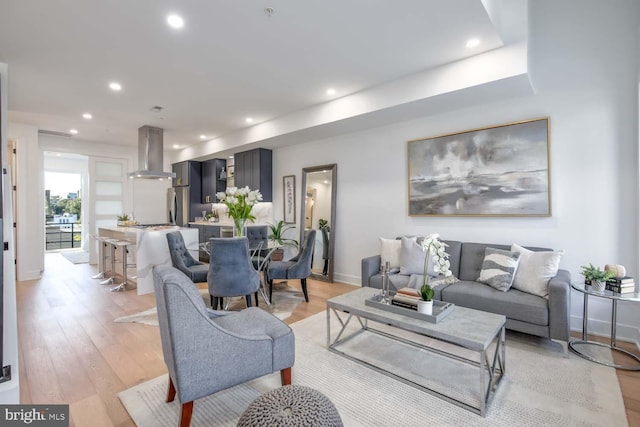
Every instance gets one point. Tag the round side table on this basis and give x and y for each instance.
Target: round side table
(575, 345)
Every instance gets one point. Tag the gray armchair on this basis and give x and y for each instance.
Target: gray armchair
(298, 267)
(208, 351)
(231, 273)
(182, 259)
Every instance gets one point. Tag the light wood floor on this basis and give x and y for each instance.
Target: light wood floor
(72, 352)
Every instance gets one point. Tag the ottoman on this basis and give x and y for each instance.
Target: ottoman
(291, 406)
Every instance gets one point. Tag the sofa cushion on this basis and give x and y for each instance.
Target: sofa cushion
(412, 257)
(514, 304)
(498, 268)
(390, 251)
(535, 270)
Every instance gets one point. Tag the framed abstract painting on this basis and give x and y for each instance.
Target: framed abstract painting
(494, 171)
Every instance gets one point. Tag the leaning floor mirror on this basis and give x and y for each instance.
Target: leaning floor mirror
(319, 213)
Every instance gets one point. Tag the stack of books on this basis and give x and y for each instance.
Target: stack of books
(407, 298)
(621, 285)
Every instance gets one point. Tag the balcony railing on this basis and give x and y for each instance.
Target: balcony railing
(63, 236)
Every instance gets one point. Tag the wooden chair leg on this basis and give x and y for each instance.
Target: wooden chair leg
(171, 394)
(303, 282)
(247, 298)
(285, 376)
(185, 415)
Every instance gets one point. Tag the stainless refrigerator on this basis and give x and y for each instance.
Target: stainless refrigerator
(184, 205)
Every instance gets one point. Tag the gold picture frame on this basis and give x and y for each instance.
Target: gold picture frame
(500, 170)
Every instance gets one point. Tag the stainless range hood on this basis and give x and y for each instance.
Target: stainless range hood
(150, 147)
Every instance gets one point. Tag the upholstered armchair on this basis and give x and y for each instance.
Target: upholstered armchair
(298, 267)
(231, 273)
(208, 351)
(182, 259)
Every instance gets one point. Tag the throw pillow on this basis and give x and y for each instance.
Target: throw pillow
(390, 251)
(535, 270)
(499, 268)
(412, 257)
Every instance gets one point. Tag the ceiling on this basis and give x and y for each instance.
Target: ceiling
(230, 61)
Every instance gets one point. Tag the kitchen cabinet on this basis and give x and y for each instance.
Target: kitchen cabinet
(186, 173)
(254, 168)
(212, 182)
(205, 232)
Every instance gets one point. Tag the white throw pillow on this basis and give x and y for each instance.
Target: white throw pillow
(390, 251)
(412, 258)
(535, 270)
(498, 268)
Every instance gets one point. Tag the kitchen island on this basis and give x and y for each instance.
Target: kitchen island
(149, 248)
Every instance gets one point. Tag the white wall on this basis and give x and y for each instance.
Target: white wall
(9, 390)
(584, 66)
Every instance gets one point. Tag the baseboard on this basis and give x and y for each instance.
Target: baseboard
(29, 275)
(346, 278)
(602, 328)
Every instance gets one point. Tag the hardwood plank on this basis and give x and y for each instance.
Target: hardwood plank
(90, 412)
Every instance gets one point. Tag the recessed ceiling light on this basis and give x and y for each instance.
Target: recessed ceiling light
(331, 91)
(473, 43)
(115, 86)
(231, 157)
(87, 116)
(73, 131)
(176, 146)
(175, 21)
(203, 136)
(249, 120)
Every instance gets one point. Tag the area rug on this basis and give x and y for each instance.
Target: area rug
(284, 301)
(77, 257)
(541, 387)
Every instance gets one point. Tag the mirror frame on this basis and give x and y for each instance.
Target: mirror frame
(303, 210)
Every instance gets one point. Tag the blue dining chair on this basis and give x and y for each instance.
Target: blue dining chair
(298, 267)
(231, 273)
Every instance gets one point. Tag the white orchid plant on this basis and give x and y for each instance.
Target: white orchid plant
(435, 249)
(239, 202)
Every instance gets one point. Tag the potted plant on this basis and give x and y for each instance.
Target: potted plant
(123, 219)
(596, 276)
(425, 304)
(276, 235)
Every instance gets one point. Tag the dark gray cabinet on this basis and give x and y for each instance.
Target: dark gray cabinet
(205, 232)
(212, 183)
(187, 172)
(254, 169)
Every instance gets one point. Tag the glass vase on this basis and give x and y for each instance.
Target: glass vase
(239, 227)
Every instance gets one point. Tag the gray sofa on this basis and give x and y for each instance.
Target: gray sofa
(525, 312)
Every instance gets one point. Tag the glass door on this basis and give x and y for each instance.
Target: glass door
(108, 193)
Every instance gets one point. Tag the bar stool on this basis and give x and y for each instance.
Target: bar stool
(103, 260)
(112, 254)
(124, 244)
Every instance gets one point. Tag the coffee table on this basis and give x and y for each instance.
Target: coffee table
(465, 330)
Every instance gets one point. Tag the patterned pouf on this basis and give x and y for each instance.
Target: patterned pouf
(291, 406)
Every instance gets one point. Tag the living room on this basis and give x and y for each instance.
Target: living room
(581, 67)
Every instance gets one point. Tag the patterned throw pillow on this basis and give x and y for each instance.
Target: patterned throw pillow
(499, 268)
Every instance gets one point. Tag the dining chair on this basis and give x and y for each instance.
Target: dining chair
(207, 351)
(298, 267)
(182, 259)
(231, 273)
(258, 236)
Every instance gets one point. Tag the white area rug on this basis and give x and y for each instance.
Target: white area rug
(285, 301)
(77, 257)
(541, 388)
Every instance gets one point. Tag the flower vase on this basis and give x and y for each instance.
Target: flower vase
(239, 227)
(425, 307)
